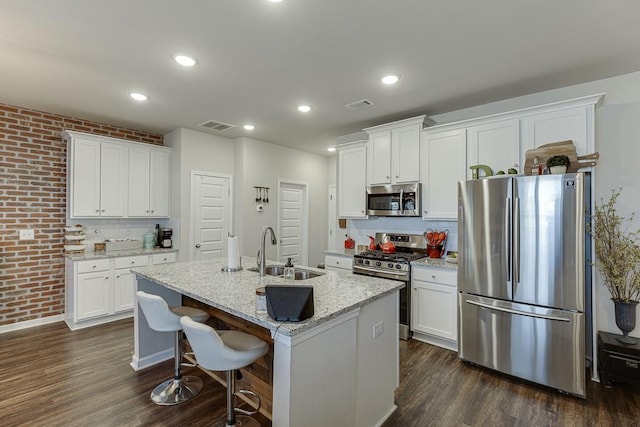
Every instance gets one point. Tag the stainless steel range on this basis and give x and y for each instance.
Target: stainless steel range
(394, 266)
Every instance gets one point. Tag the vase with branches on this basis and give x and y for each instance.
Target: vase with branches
(618, 260)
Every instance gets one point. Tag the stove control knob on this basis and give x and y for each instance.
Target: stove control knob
(398, 266)
(366, 262)
(378, 263)
(390, 265)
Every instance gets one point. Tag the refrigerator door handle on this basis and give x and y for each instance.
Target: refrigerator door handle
(401, 201)
(516, 242)
(507, 238)
(522, 313)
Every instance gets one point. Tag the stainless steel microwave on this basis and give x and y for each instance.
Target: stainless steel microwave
(393, 200)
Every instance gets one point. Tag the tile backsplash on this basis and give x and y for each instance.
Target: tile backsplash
(359, 229)
(98, 230)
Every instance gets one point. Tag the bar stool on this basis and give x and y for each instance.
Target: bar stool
(161, 318)
(225, 351)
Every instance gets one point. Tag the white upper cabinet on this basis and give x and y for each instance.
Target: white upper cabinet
(495, 144)
(109, 177)
(393, 154)
(556, 126)
(444, 163)
(352, 181)
(148, 182)
(96, 178)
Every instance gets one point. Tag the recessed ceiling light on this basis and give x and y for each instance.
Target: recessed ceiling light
(390, 79)
(185, 60)
(249, 127)
(331, 149)
(275, 1)
(304, 108)
(138, 96)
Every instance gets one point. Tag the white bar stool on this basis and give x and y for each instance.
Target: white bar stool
(161, 318)
(225, 351)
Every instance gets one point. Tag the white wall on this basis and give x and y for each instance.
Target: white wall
(193, 151)
(262, 165)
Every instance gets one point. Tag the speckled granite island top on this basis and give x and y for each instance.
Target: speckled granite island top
(115, 254)
(335, 292)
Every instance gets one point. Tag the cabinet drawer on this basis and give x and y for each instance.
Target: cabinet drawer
(435, 275)
(132, 261)
(333, 261)
(93, 265)
(164, 258)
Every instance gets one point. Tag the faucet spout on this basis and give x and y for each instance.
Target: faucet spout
(261, 254)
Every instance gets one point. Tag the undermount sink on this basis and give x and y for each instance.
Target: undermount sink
(278, 270)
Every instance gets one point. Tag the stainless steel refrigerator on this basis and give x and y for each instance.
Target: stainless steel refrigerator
(522, 276)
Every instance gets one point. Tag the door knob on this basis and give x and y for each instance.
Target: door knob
(198, 245)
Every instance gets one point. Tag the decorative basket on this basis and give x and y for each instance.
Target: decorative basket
(122, 245)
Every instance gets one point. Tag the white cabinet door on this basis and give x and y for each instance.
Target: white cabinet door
(123, 290)
(379, 158)
(434, 302)
(444, 160)
(85, 178)
(93, 295)
(112, 179)
(560, 125)
(496, 145)
(139, 166)
(352, 182)
(159, 183)
(405, 154)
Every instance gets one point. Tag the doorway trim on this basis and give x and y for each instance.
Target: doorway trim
(192, 204)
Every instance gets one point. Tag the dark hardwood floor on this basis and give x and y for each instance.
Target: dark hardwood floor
(50, 376)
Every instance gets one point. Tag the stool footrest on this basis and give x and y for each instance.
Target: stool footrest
(255, 396)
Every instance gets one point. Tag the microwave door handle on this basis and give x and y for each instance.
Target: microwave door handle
(401, 201)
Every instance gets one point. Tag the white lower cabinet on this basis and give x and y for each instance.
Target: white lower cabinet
(338, 262)
(102, 290)
(434, 306)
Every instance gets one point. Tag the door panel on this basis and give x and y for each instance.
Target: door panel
(291, 223)
(211, 216)
(483, 237)
(551, 255)
(534, 343)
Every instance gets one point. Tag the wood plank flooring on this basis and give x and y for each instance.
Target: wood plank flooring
(50, 376)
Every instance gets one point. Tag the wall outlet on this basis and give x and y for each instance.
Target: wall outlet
(259, 208)
(378, 329)
(27, 234)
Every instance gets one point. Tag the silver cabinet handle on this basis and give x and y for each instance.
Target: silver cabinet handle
(133, 262)
(103, 210)
(198, 245)
(97, 210)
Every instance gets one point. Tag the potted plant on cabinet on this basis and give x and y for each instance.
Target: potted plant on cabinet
(558, 164)
(618, 256)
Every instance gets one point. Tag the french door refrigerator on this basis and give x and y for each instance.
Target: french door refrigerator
(522, 276)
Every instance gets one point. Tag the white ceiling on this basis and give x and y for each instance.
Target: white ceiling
(259, 60)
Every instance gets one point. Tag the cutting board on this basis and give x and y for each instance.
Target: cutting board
(562, 148)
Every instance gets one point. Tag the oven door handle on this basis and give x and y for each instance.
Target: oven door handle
(373, 270)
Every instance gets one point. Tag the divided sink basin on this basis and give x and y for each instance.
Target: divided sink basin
(278, 270)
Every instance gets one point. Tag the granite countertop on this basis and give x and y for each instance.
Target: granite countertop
(341, 252)
(435, 262)
(115, 254)
(335, 292)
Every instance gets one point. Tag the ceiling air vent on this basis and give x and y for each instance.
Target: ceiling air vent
(214, 125)
(359, 105)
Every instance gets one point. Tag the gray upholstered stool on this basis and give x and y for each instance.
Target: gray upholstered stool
(161, 318)
(225, 351)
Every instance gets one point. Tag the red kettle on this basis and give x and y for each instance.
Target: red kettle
(372, 243)
(388, 247)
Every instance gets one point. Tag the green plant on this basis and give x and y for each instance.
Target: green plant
(617, 250)
(558, 161)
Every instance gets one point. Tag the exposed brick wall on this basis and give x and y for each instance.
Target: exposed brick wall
(33, 194)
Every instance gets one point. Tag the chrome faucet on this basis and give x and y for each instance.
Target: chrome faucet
(261, 256)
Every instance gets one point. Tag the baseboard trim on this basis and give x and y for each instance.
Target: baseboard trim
(154, 359)
(31, 323)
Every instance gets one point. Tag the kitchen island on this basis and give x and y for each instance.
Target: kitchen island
(338, 368)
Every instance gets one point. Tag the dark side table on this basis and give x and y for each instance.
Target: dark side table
(618, 362)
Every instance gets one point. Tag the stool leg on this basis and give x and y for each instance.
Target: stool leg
(231, 387)
(178, 389)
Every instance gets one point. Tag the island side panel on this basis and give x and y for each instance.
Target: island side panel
(314, 380)
(378, 361)
(151, 347)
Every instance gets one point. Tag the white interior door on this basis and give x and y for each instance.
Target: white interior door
(292, 222)
(211, 216)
